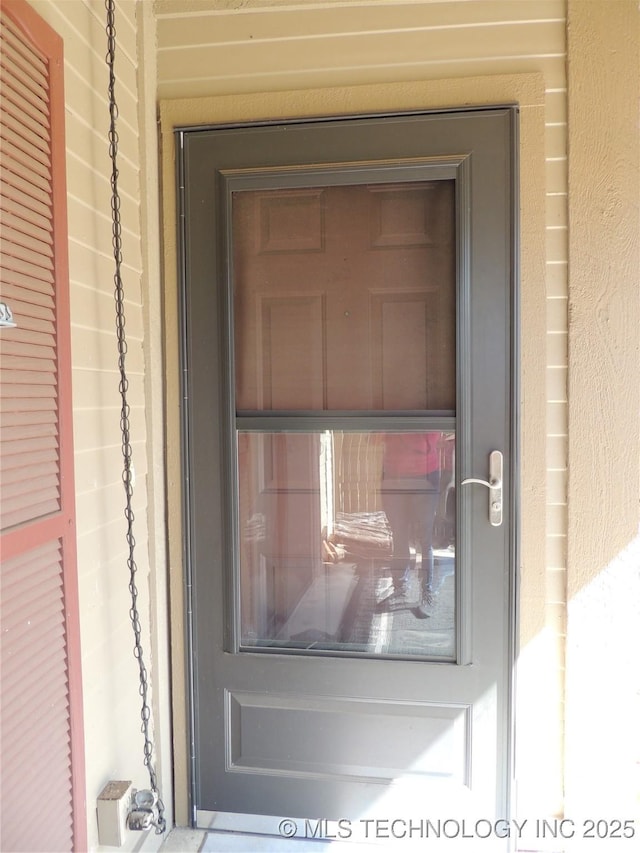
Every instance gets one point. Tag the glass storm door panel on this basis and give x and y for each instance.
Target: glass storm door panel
(347, 329)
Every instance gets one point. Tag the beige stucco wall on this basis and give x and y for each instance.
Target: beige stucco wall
(113, 741)
(603, 627)
(272, 60)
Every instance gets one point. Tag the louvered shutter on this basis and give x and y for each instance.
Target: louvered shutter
(42, 806)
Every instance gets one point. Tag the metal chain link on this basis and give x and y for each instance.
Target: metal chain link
(160, 823)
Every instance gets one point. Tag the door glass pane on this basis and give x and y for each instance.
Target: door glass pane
(347, 542)
(344, 297)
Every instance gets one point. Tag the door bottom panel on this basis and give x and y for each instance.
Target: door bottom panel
(313, 737)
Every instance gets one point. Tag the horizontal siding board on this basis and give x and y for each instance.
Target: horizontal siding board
(314, 78)
(378, 50)
(179, 22)
(90, 226)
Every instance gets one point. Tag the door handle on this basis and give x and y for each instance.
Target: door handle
(494, 484)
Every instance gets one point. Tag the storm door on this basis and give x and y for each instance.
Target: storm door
(348, 304)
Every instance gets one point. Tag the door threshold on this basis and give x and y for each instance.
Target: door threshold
(226, 831)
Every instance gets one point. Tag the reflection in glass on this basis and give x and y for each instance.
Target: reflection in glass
(347, 542)
(360, 275)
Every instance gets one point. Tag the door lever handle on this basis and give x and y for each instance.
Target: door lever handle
(494, 484)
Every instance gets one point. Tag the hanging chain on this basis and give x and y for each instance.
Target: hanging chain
(160, 823)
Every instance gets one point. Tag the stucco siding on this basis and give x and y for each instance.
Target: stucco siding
(603, 625)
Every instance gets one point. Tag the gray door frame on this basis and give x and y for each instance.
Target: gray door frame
(220, 452)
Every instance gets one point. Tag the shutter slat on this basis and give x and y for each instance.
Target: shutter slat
(43, 456)
(32, 445)
(14, 252)
(12, 92)
(29, 365)
(24, 268)
(28, 431)
(27, 292)
(26, 417)
(26, 242)
(23, 147)
(28, 136)
(29, 229)
(29, 338)
(31, 313)
(35, 120)
(14, 479)
(22, 390)
(50, 662)
(42, 632)
(32, 61)
(39, 562)
(13, 177)
(29, 513)
(27, 485)
(27, 348)
(14, 746)
(10, 207)
(20, 497)
(9, 150)
(24, 482)
(25, 173)
(16, 196)
(32, 85)
(37, 404)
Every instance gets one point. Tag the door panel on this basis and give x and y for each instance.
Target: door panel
(346, 292)
(348, 287)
